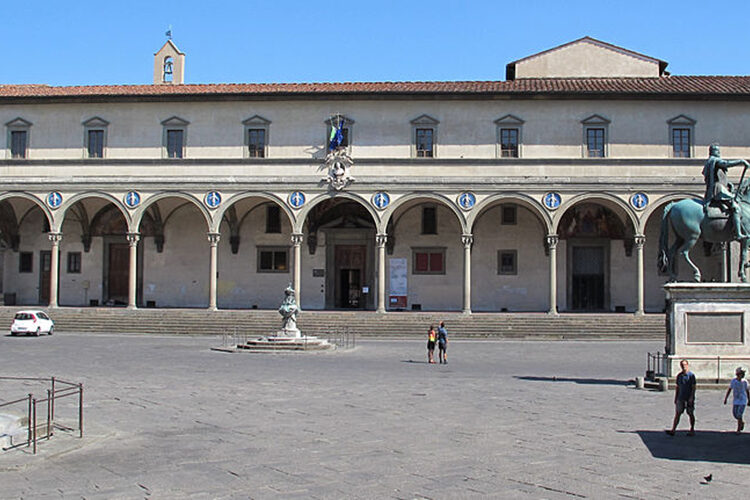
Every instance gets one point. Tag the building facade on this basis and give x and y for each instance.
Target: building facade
(542, 192)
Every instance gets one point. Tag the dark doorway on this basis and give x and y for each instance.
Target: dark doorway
(117, 276)
(587, 278)
(45, 265)
(350, 268)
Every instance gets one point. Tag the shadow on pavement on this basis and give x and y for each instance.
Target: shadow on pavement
(592, 381)
(705, 446)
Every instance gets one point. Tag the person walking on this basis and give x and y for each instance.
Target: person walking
(738, 387)
(431, 339)
(684, 397)
(442, 343)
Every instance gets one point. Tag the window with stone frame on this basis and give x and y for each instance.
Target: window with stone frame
(95, 137)
(18, 138)
(508, 215)
(174, 136)
(25, 262)
(273, 260)
(425, 145)
(74, 262)
(424, 137)
(346, 131)
(428, 260)
(509, 128)
(256, 136)
(429, 220)
(681, 136)
(507, 262)
(595, 137)
(273, 219)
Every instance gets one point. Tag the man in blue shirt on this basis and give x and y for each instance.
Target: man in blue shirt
(684, 397)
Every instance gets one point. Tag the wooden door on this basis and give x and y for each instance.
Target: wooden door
(588, 278)
(118, 267)
(350, 269)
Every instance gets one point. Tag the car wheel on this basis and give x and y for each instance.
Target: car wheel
(51, 330)
(36, 333)
(12, 334)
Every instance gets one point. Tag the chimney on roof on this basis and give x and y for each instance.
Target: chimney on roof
(169, 65)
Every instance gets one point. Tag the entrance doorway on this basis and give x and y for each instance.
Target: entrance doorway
(587, 278)
(45, 266)
(118, 263)
(350, 269)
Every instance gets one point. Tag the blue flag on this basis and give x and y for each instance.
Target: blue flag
(337, 136)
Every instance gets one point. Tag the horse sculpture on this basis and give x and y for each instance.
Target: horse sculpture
(689, 222)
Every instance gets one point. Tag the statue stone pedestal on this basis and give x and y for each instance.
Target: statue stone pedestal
(708, 324)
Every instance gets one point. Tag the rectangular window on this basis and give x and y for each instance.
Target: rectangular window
(595, 142)
(256, 141)
(509, 142)
(18, 144)
(428, 261)
(429, 220)
(273, 219)
(273, 260)
(508, 215)
(507, 262)
(25, 263)
(175, 144)
(681, 142)
(74, 262)
(95, 143)
(425, 143)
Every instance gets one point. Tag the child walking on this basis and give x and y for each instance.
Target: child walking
(741, 396)
(431, 338)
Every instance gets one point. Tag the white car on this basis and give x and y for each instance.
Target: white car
(32, 322)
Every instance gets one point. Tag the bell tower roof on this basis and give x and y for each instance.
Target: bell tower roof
(169, 65)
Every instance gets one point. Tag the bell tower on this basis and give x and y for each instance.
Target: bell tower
(169, 65)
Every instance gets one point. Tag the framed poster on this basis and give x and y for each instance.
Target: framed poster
(398, 283)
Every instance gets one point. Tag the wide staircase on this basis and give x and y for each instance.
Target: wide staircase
(364, 324)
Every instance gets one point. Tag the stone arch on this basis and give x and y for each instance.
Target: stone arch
(520, 199)
(436, 197)
(606, 199)
(305, 211)
(7, 196)
(139, 213)
(218, 216)
(93, 194)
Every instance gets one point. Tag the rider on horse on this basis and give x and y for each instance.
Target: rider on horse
(719, 191)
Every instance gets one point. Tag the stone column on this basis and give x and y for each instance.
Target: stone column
(380, 241)
(133, 239)
(213, 240)
(552, 240)
(467, 240)
(640, 240)
(55, 239)
(297, 239)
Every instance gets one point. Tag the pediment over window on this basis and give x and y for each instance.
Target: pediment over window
(595, 120)
(256, 120)
(18, 122)
(681, 120)
(95, 121)
(509, 120)
(175, 121)
(347, 121)
(424, 120)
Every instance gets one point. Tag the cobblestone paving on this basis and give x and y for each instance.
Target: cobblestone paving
(168, 418)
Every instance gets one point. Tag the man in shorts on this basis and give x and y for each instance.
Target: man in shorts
(684, 397)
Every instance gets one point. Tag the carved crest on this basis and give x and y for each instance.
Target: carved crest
(339, 165)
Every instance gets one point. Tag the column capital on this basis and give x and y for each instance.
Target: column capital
(467, 240)
(213, 238)
(639, 240)
(133, 238)
(552, 240)
(297, 239)
(381, 240)
(55, 238)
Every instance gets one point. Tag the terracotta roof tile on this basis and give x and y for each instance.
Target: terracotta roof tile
(667, 85)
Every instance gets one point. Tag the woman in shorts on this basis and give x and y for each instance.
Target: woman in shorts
(738, 387)
(431, 338)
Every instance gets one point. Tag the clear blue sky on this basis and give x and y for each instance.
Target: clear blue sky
(89, 43)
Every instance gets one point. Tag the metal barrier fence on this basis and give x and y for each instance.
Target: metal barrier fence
(343, 338)
(36, 429)
(656, 365)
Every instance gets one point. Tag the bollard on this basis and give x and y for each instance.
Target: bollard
(663, 384)
(639, 382)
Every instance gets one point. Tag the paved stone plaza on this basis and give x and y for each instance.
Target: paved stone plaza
(168, 418)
